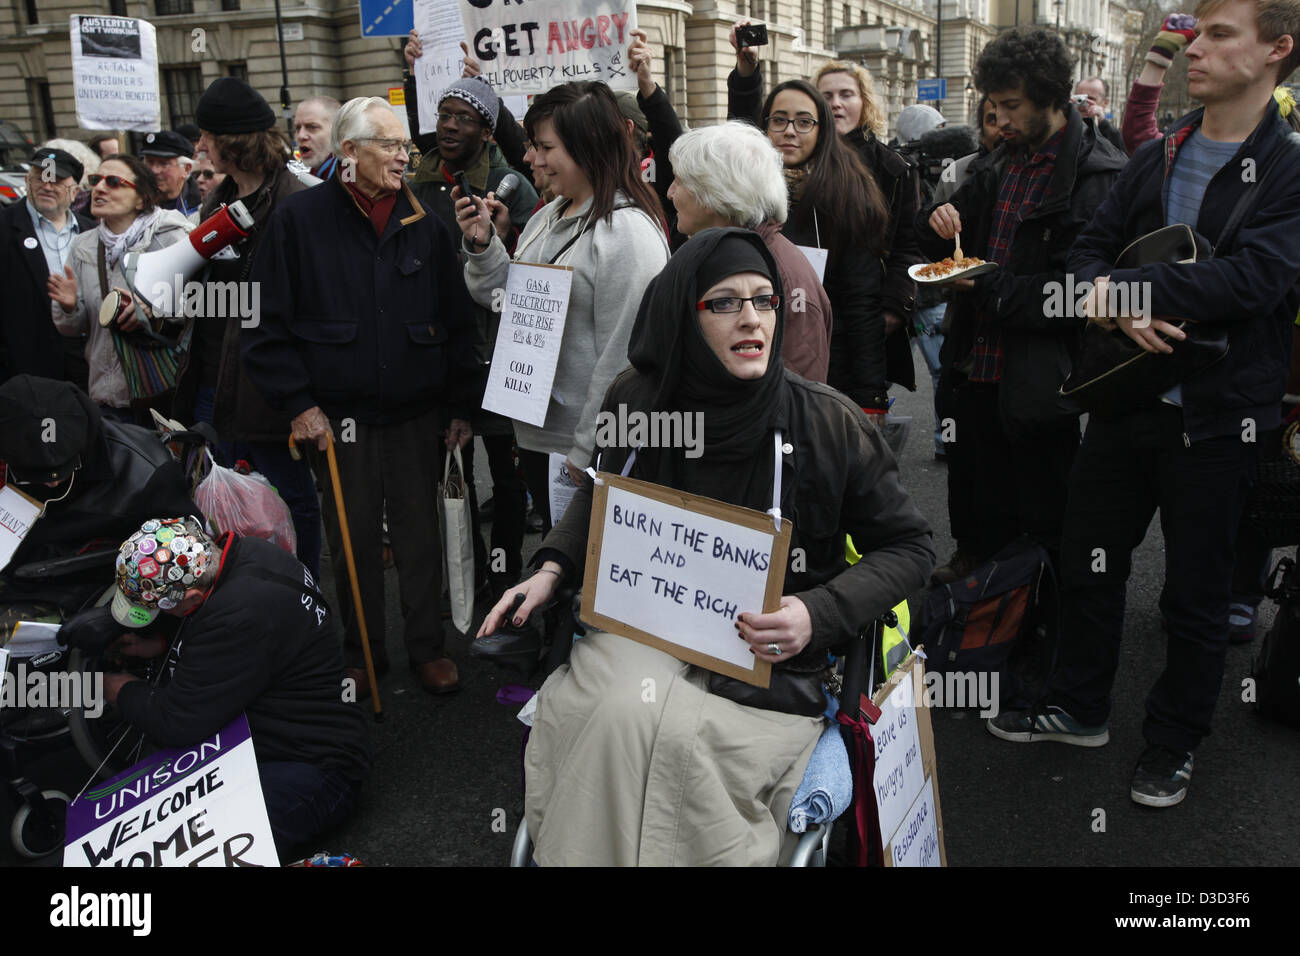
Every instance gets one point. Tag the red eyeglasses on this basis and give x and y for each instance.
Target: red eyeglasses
(114, 182)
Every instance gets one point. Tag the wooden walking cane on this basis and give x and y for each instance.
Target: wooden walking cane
(352, 566)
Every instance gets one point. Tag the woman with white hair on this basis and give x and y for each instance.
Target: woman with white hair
(731, 175)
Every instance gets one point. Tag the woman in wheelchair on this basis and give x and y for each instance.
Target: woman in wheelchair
(636, 757)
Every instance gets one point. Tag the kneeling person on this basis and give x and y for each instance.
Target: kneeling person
(259, 640)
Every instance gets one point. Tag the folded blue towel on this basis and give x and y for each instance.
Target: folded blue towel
(827, 786)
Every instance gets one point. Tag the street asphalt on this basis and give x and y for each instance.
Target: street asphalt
(446, 785)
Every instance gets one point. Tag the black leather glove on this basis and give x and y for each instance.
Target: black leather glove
(91, 630)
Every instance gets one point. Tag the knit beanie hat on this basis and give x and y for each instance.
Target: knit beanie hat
(230, 105)
(478, 93)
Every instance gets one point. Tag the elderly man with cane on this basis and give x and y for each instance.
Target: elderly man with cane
(367, 339)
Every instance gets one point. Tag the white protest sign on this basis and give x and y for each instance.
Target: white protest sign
(529, 49)
(187, 806)
(560, 485)
(675, 570)
(17, 515)
(916, 841)
(905, 777)
(528, 342)
(817, 257)
(440, 62)
(115, 73)
(899, 776)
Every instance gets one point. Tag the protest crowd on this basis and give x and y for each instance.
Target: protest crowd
(1127, 319)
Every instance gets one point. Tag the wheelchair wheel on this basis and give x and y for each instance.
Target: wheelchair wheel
(107, 743)
(35, 835)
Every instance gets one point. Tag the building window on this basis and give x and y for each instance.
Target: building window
(828, 27)
(848, 15)
(117, 7)
(760, 9)
(229, 4)
(238, 70)
(42, 110)
(807, 19)
(166, 8)
(183, 86)
(742, 8)
(31, 12)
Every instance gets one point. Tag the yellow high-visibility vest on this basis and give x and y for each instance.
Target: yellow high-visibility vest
(894, 646)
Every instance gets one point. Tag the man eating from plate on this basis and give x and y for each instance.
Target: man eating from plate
(1008, 441)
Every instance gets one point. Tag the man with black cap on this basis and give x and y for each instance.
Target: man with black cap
(170, 156)
(99, 478)
(258, 639)
(36, 242)
(240, 137)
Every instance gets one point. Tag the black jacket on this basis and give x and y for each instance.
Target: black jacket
(1038, 348)
(840, 478)
(239, 412)
(126, 478)
(898, 181)
(29, 342)
(665, 128)
(260, 645)
(854, 280)
(1252, 290)
(378, 328)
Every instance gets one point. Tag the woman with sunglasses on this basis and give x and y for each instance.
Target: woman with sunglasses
(702, 771)
(837, 213)
(606, 224)
(123, 197)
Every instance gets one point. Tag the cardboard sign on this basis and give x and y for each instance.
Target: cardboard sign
(529, 49)
(187, 806)
(674, 570)
(17, 515)
(528, 341)
(905, 782)
(115, 73)
(440, 62)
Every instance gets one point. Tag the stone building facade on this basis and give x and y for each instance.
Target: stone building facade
(325, 52)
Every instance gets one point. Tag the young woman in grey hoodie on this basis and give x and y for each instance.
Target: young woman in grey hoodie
(607, 225)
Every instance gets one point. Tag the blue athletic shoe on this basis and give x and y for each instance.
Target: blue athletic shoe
(1161, 777)
(1027, 727)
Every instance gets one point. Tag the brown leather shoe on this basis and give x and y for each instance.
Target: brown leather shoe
(358, 676)
(439, 677)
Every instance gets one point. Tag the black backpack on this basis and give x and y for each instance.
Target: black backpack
(1276, 669)
(973, 625)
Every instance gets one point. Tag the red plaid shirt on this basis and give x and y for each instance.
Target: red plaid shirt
(1021, 192)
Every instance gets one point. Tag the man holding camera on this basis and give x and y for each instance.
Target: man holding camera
(1188, 451)
(1092, 98)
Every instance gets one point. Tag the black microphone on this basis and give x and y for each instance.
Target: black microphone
(507, 185)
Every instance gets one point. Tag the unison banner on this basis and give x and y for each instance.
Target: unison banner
(529, 49)
(115, 73)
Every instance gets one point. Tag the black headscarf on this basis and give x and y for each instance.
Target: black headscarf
(679, 372)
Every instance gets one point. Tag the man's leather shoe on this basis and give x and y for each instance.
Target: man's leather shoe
(439, 677)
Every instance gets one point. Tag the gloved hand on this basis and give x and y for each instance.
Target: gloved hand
(1178, 30)
(92, 630)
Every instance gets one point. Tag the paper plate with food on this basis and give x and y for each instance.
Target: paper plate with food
(946, 270)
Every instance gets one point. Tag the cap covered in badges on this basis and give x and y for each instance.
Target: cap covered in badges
(157, 565)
